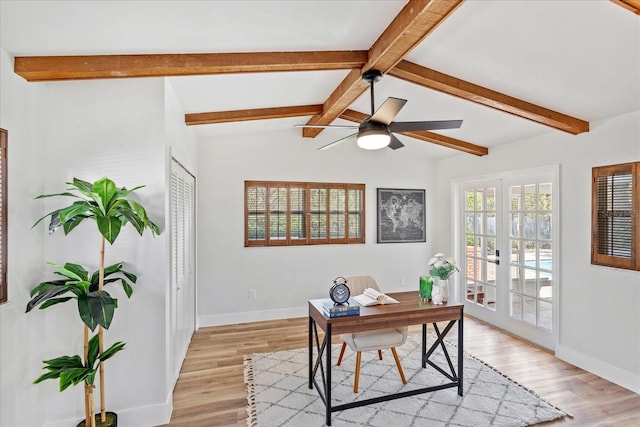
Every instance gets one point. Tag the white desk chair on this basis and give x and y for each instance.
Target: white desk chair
(371, 340)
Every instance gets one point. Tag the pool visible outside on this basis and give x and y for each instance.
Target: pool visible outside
(545, 264)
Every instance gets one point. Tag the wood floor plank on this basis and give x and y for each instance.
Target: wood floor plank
(210, 391)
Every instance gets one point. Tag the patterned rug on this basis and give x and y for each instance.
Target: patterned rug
(278, 392)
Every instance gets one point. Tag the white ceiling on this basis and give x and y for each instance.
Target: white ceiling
(580, 58)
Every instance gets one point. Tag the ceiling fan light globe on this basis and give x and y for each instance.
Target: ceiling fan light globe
(373, 140)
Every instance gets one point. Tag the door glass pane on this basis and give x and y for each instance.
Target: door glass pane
(531, 260)
(480, 254)
(489, 297)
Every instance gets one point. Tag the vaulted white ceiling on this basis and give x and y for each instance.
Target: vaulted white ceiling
(579, 58)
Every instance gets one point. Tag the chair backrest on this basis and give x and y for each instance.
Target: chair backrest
(357, 284)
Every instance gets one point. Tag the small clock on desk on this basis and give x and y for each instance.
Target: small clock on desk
(339, 292)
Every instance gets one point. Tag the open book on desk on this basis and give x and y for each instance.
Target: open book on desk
(372, 297)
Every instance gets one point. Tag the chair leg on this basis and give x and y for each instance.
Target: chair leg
(357, 379)
(344, 345)
(380, 354)
(395, 356)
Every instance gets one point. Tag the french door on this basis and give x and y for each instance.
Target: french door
(507, 244)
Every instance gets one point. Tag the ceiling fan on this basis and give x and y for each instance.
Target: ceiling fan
(376, 131)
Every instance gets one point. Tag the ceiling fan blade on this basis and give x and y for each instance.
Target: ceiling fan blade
(338, 141)
(388, 110)
(429, 125)
(395, 143)
(327, 126)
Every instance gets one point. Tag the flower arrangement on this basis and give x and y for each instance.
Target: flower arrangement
(442, 267)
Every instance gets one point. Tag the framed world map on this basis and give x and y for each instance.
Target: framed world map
(401, 215)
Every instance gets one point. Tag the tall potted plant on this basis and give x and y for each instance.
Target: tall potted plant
(111, 208)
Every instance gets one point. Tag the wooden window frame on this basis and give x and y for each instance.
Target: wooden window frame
(3, 216)
(633, 261)
(325, 213)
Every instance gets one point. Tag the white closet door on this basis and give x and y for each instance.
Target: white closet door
(183, 293)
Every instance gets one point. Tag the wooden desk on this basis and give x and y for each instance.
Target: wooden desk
(409, 311)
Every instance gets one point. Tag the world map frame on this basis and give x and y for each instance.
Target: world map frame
(401, 215)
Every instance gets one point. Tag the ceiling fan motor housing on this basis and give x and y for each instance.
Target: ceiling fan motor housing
(372, 76)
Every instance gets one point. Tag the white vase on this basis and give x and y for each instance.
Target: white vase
(444, 289)
(436, 295)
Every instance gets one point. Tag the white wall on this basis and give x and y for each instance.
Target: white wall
(86, 129)
(599, 306)
(286, 277)
(21, 338)
(116, 129)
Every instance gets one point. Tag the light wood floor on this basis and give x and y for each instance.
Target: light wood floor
(211, 391)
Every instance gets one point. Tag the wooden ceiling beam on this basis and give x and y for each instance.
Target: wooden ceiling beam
(434, 138)
(631, 5)
(410, 27)
(253, 114)
(441, 82)
(50, 68)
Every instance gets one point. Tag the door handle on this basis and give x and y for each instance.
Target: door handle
(496, 261)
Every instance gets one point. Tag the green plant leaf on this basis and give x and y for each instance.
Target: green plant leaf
(46, 216)
(76, 209)
(79, 270)
(73, 223)
(69, 369)
(113, 268)
(106, 189)
(133, 218)
(66, 193)
(45, 295)
(102, 307)
(74, 377)
(130, 276)
(43, 286)
(127, 288)
(81, 185)
(62, 270)
(123, 192)
(84, 310)
(109, 227)
(54, 301)
(93, 351)
(111, 351)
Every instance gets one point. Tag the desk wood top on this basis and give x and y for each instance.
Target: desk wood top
(409, 311)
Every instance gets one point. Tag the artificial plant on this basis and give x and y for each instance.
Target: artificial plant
(111, 209)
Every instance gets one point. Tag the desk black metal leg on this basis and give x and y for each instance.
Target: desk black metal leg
(311, 324)
(460, 352)
(424, 345)
(327, 391)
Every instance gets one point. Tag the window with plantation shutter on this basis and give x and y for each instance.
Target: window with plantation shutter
(303, 213)
(3, 215)
(615, 223)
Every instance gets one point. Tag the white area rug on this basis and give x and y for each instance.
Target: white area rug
(278, 392)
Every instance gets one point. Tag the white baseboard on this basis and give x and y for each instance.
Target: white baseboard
(626, 379)
(146, 416)
(251, 316)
